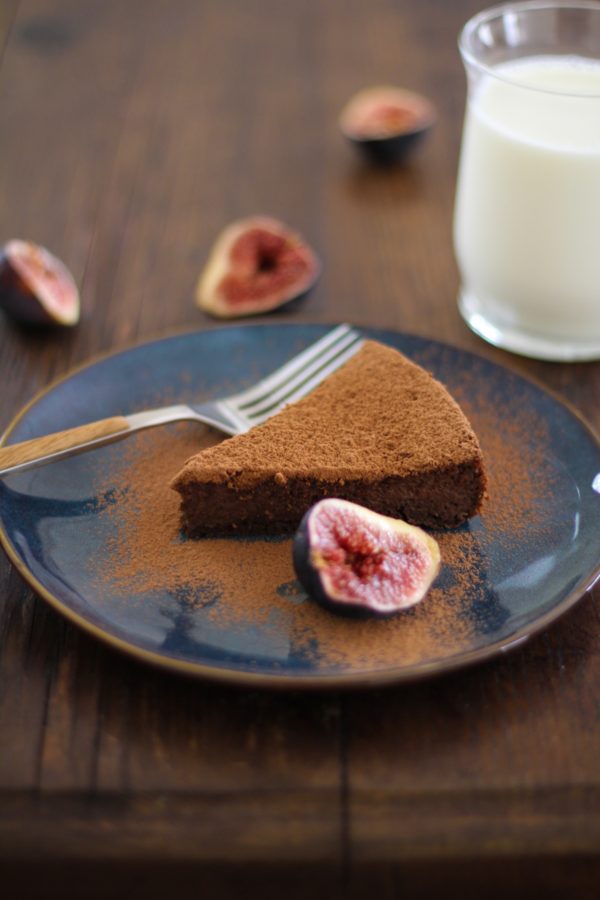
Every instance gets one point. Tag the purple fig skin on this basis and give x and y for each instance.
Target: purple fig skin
(391, 150)
(407, 561)
(36, 288)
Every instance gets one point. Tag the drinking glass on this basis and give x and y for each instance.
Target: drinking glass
(527, 215)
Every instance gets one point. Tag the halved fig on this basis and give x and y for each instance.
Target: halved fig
(255, 266)
(353, 560)
(36, 288)
(386, 122)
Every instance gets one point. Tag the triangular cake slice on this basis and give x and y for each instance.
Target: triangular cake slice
(380, 432)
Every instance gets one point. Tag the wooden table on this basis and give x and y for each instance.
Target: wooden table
(130, 133)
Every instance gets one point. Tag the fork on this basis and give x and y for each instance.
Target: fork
(232, 415)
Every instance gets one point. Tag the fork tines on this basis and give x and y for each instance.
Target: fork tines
(300, 375)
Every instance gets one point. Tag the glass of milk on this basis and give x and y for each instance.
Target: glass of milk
(527, 217)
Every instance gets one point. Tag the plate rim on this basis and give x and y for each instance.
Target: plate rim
(320, 681)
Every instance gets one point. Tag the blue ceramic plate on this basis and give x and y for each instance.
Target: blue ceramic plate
(232, 609)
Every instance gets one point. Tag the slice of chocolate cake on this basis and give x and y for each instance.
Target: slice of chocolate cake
(380, 432)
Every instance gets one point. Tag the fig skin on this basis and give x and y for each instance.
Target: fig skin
(256, 265)
(335, 570)
(385, 123)
(36, 288)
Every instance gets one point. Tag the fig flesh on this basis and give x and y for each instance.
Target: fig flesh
(385, 123)
(36, 288)
(355, 561)
(255, 266)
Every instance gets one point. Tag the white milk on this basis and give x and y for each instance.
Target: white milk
(527, 227)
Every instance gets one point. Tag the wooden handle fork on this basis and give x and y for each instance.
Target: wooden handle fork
(50, 445)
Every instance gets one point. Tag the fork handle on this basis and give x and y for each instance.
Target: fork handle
(22, 455)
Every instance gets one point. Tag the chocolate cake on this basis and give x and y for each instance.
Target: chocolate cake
(380, 432)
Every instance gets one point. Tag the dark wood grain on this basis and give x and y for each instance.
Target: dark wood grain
(130, 133)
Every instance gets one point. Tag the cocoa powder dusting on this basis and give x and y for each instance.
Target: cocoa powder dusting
(247, 586)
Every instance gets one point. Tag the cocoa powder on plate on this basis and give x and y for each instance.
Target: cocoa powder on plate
(239, 584)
